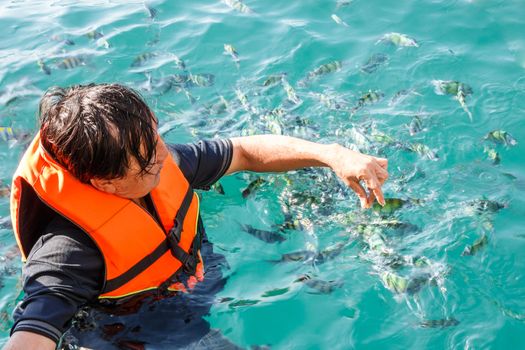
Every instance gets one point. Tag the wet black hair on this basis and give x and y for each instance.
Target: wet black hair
(94, 130)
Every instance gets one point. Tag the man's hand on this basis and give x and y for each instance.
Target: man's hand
(354, 167)
(275, 153)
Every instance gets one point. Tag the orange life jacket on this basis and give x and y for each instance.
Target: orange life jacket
(139, 253)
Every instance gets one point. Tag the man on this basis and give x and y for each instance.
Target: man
(103, 210)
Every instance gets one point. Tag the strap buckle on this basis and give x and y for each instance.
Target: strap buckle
(174, 233)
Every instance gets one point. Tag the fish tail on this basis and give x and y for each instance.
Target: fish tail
(461, 99)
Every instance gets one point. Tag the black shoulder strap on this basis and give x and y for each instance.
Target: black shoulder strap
(189, 261)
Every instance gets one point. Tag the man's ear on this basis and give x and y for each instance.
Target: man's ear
(103, 185)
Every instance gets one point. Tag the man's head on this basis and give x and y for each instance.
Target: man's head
(104, 135)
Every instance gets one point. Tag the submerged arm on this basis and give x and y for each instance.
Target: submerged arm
(276, 153)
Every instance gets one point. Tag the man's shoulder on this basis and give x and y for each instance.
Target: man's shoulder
(61, 236)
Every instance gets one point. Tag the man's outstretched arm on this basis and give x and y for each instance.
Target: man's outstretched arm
(276, 153)
(27, 340)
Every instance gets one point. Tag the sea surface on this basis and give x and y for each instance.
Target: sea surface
(444, 269)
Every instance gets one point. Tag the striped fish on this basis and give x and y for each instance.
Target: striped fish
(479, 244)
(238, 6)
(179, 62)
(320, 286)
(151, 11)
(290, 92)
(326, 68)
(398, 39)
(501, 137)
(374, 62)
(263, 235)
(94, 35)
(230, 50)
(141, 59)
(71, 62)
(7, 134)
(423, 150)
(442, 323)
(44, 67)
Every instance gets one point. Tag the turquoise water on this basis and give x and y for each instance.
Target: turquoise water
(479, 43)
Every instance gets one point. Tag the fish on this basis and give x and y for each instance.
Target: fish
(382, 138)
(217, 187)
(417, 261)
(242, 303)
(492, 154)
(99, 37)
(273, 79)
(7, 134)
(394, 282)
(253, 186)
(229, 49)
(391, 205)
(301, 255)
(338, 20)
(185, 81)
(342, 3)
(44, 67)
(481, 206)
(103, 42)
(478, 244)
(71, 62)
(441, 323)
(501, 137)
(141, 59)
(202, 80)
(241, 96)
(65, 41)
(94, 35)
(237, 5)
(368, 98)
(374, 62)
(326, 68)
(330, 252)
(415, 125)
(290, 92)
(151, 11)
(398, 39)
(401, 95)
(328, 101)
(423, 150)
(273, 123)
(263, 235)
(218, 107)
(450, 87)
(456, 88)
(275, 292)
(320, 286)
(293, 224)
(399, 284)
(179, 62)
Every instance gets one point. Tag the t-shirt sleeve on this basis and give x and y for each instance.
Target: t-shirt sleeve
(64, 271)
(203, 162)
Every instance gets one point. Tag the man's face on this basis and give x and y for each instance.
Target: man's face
(134, 184)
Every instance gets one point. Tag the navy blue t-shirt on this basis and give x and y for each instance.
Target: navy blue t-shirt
(65, 269)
